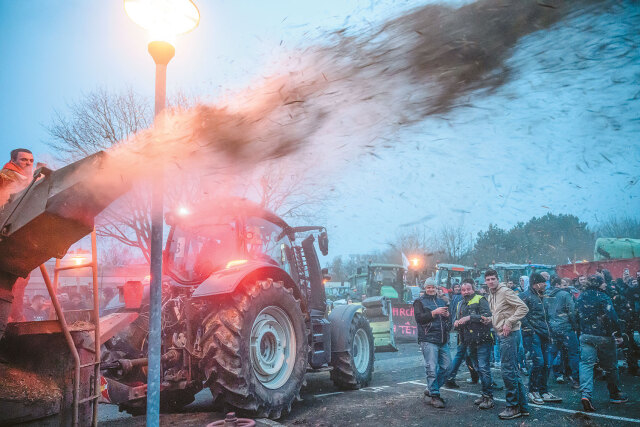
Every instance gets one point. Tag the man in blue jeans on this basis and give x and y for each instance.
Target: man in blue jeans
(537, 322)
(507, 309)
(432, 318)
(598, 324)
(474, 317)
(562, 321)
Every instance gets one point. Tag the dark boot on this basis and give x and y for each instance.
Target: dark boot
(451, 384)
(510, 413)
(587, 405)
(487, 403)
(437, 402)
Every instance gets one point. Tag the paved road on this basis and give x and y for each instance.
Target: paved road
(394, 398)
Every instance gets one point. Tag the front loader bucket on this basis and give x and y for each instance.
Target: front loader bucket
(378, 311)
(54, 212)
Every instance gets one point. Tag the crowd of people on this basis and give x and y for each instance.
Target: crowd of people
(571, 330)
(75, 304)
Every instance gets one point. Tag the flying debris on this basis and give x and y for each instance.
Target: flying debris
(419, 221)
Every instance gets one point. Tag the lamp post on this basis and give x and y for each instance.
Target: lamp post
(163, 19)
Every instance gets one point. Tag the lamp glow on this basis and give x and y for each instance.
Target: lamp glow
(163, 19)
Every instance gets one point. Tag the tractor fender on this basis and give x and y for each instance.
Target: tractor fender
(226, 281)
(340, 318)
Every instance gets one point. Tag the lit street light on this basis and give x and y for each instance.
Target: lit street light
(164, 20)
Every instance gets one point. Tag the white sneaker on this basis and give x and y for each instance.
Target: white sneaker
(535, 398)
(548, 397)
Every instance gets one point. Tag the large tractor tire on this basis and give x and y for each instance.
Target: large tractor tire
(353, 369)
(256, 347)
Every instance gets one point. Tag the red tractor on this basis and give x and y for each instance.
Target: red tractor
(244, 314)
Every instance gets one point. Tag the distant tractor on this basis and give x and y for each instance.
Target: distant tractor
(448, 274)
(382, 290)
(386, 280)
(243, 314)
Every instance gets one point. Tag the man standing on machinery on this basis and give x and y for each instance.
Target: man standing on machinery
(15, 176)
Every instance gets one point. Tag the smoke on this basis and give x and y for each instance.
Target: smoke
(346, 93)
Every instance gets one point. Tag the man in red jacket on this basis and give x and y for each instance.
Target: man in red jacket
(15, 176)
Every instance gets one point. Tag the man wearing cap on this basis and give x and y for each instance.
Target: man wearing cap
(537, 322)
(600, 335)
(507, 309)
(432, 318)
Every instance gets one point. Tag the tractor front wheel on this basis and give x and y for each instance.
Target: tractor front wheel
(256, 349)
(353, 369)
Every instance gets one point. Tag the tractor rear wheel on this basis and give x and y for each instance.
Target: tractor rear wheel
(353, 369)
(255, 346)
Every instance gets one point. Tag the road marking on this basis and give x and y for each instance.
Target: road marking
(376, 389)
(328, 394)
(269, 422)
(552, 408)
(413, 382)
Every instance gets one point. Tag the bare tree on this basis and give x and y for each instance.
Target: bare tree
(114, 254)
(409, 242)
(286, 192)
(454, 242)
(102, 119)
(620, 227)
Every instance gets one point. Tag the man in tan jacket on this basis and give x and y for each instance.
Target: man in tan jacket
(506, 311)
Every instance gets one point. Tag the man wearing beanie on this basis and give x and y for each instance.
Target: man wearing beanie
(432, 317)
(600, 333)
(537, 322)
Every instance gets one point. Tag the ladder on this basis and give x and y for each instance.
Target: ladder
(52, 287)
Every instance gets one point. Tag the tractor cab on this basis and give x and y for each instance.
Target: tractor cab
(449, 274)
(227, 236)
(385, 280)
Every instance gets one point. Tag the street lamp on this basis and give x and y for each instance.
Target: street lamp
(164, 20)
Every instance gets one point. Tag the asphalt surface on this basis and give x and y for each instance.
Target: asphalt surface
(395, 398)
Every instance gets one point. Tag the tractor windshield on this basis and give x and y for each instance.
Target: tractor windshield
(264, 241)
(386, 281)
(193, 253)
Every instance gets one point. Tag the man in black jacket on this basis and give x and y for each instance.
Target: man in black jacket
(432, 317)
(537, 321)
(473, 324)
(562, 321)
(633, 298)
(599, 326)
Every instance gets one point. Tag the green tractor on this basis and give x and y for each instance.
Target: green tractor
(387, 302)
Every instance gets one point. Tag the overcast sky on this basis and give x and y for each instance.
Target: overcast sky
(563, 136)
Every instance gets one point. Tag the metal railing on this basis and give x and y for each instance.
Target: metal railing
(52, 288)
